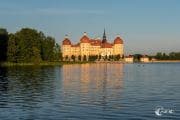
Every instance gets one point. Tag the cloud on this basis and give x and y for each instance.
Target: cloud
(49, 11)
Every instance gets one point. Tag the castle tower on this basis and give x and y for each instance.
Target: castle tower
(66, 47)
(104, 37)
(118, 46)
(84, 46)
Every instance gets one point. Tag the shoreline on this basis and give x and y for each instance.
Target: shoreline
(165, 61)
(8, 64)
(60, 63)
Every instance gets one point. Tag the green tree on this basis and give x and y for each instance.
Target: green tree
(57, 53)
(48, 49)
(79, 57)
(100, 57)
(73, 57)
(27, 39)
(170, 56)
(12, 52)
(137, 57)
(158, 56)
(28, 45)
(106, 57)
(66, 58)
(93, 57)
(3, 44)
(36, 57)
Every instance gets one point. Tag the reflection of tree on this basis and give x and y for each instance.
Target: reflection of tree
(29, 85)
(3, 86)
(3, 79)
(30, 78)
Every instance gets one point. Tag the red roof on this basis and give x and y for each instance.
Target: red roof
(118, 40)
(95, 42)
(76, 45)
(106, 45)
(85, 39)
(66, 41)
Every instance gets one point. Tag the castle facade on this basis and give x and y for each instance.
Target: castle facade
(87, 47)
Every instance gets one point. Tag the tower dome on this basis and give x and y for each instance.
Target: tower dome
(85, 38)
(66, 41)
(118, 40)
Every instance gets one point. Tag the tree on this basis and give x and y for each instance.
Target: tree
(110, 57)
(73, 57)
(57, 52)
(48, 49)
(27, 39)
(106, 57)
(28, 45)
(170, 56)
(66, 58)
(3, 44)
(137, 57)
(36, 57)
(79, 57)
(93, 57)
(84, 58)
(158, 56)
(99, 57)
(123, 56)
(12, 52)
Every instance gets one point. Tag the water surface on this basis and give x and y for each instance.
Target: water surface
(90, 91)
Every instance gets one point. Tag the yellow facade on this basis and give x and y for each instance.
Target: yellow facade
(88, 47)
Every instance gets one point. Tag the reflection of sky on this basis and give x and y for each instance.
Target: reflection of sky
(94, 84)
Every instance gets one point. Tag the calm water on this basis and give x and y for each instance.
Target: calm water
(90, 91)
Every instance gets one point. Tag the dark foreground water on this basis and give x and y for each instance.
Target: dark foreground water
(90, 92)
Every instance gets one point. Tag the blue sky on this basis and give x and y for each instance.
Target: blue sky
(147, 26)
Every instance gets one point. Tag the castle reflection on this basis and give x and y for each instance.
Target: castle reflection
(92, 83)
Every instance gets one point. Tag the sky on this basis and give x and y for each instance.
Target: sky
(146, 26)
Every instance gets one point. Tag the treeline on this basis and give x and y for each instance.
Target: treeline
(28, 46)
(170, 56)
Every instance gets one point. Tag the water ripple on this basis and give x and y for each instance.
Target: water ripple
(89, 91)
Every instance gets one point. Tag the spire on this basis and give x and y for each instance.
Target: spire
(104, 37)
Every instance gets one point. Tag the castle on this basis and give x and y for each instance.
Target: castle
(89, 48)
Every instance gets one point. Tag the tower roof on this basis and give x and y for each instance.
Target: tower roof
(118, 40)
(85, 38)
(66, 41)
(104, 37)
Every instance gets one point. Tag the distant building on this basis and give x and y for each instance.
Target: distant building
(144, 59)
(91, 47)
(129, 59)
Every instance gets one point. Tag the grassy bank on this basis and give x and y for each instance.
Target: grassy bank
(43, 63)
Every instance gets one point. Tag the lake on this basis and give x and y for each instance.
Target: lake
(91, 92)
